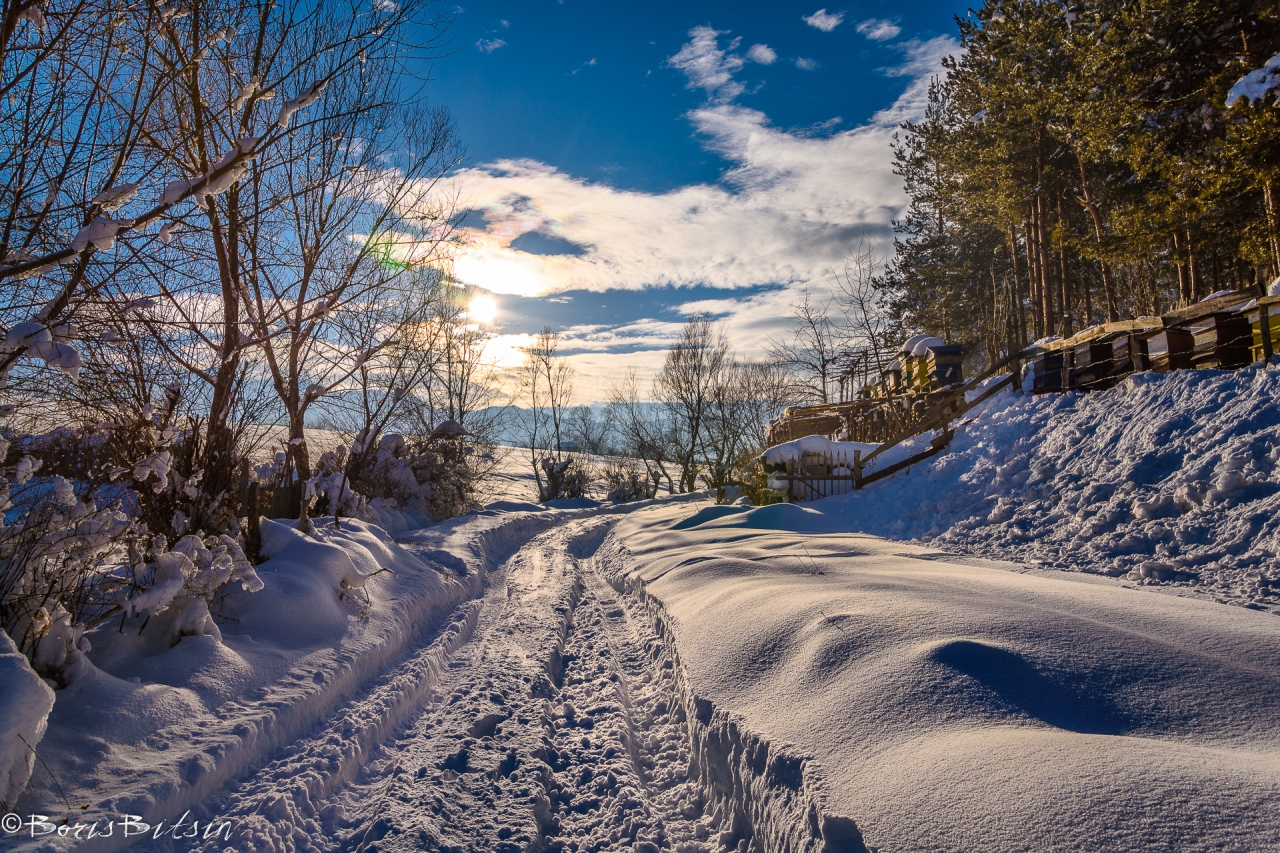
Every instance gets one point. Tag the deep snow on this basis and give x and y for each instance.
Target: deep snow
(678, 675)
(945, 703)
(1166, 479)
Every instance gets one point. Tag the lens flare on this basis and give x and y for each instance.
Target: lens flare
(482, 309)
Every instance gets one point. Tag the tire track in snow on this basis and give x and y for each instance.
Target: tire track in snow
(550, 726)
(275, 807)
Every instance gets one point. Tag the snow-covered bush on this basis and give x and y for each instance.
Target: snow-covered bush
(330, 490)
(149, 460)
(427, 480)
(57, 578)
(627, 481)
(567, 478)
(67, 565)
(85, 537)
(184, 582)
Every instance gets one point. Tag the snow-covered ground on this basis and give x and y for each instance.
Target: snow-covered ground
(674, 675)
(845, 686)
(1167, 479)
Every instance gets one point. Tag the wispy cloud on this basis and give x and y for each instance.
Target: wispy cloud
(878, 30)
(806, 64)
(707, 66)
(824, 20)
(762, 54)
(788, 211)
(490, 45)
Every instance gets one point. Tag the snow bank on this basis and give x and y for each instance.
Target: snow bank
(844, 690)
(25, 703)
(1167, 479)
(153, 730)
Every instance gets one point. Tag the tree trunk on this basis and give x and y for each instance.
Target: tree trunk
(1064, 283)
(1193, 270)
(1184, 283)
(1088, 305)
(1033, 278)
(299, 452)
(1108, 284)
(1273, 224)
(1042, 261)
(218, 462)
(1017, 286)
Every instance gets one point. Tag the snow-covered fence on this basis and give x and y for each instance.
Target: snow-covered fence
(839, 471)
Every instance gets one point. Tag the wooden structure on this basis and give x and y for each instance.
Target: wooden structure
(1218, 333)
(1227, 331)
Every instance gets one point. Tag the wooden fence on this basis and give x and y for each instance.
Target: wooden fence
(816, 476)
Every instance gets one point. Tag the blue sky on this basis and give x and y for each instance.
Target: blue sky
(631, 163)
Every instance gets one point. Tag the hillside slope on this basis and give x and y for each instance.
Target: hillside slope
(1164, 479)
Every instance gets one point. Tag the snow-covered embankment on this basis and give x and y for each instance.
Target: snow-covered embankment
(153, 730)
(847, 690)
(1167, 479)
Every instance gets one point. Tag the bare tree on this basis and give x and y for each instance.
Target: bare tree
(642, 429)
(814, 351)
(686, 387)
(546, 383)
(869, 330)
(174, 104)
(464, 386)
(305, 270)
(399, 343)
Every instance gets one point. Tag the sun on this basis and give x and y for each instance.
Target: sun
(482, 309)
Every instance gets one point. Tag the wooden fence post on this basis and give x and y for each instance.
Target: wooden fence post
(857, 470)
(1264, 321)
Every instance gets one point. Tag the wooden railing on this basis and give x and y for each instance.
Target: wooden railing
(891, 421)
(817, 476)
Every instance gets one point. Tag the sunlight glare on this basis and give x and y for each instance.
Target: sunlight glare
(482, 309)
(500, 272)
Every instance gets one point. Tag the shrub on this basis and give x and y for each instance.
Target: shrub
(626, 481)
(567, 478)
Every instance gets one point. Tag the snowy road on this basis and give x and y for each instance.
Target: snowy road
(692, 678)
(543, 714)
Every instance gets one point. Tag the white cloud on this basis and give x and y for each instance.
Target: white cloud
(490, 45)
(787, 212)
(707, 66)
(824, 20)
(878, 30)
(762, 54)
(806, 64)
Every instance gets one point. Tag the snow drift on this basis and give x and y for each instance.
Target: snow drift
(856, 691)
(1165, 479)
(25, 703)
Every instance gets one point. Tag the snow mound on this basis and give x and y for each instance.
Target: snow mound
(711, 513)
(573, 503)
(938, 703)
(1167, 479)
(773, 517)
(513, 506)
(25, 703)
